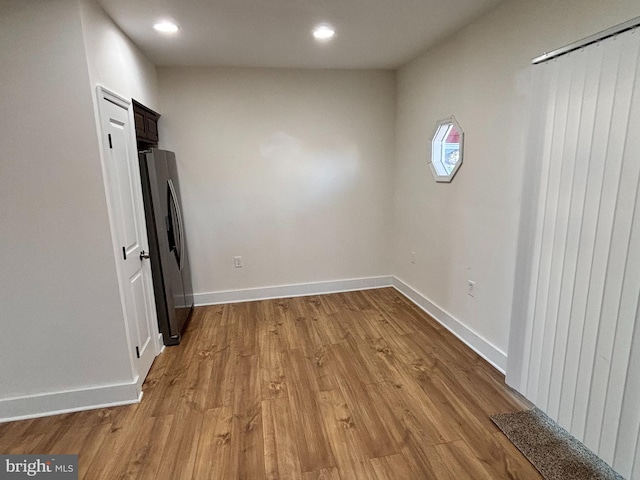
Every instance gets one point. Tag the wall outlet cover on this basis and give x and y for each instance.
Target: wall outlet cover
(471, 285)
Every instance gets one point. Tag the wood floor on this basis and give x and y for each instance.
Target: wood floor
(359, 385)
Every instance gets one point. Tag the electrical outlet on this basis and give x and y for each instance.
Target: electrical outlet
(471, 285)
(413, 257)
(237, 262)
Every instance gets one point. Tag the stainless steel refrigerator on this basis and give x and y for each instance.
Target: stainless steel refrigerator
(167, 242)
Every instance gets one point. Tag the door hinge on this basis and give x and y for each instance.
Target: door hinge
(124, 253)
(110, 144)
(138, 352)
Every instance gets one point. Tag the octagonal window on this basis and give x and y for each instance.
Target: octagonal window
(446, 149)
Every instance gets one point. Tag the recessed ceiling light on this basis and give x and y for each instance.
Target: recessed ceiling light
(166, 27)
(323, 32)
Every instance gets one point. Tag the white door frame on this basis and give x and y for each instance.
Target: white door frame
(157, 346)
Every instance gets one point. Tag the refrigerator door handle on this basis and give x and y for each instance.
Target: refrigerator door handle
(176, 205)
(171, 220)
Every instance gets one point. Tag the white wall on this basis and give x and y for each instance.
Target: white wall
(61, 318)
(292, 170)
(469, 229)
(114, 61)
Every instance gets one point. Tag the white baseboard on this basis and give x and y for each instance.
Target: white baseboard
(295, 290)
(42, 405)
(482, 347)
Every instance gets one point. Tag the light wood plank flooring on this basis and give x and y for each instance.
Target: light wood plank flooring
(359, 385)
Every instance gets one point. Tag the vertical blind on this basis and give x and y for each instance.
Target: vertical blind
(581, 357)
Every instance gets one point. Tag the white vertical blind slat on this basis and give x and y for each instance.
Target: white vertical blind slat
(626, 414)
(543, 82)
(635, 470)
(546, 296)
(603, 221)
(629, 431)
(565, 251)
(617, 187)
(538, 271)
(573, 306)
(628, 253)
(581, 356)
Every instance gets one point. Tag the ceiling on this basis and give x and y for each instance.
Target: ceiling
(277, 33)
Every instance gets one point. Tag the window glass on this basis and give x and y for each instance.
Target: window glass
(446, 149)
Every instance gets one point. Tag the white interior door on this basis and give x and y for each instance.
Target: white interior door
(129, 231)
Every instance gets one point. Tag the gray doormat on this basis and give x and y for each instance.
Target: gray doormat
(551, 449)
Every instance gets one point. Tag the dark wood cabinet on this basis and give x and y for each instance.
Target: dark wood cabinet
(146, 121)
